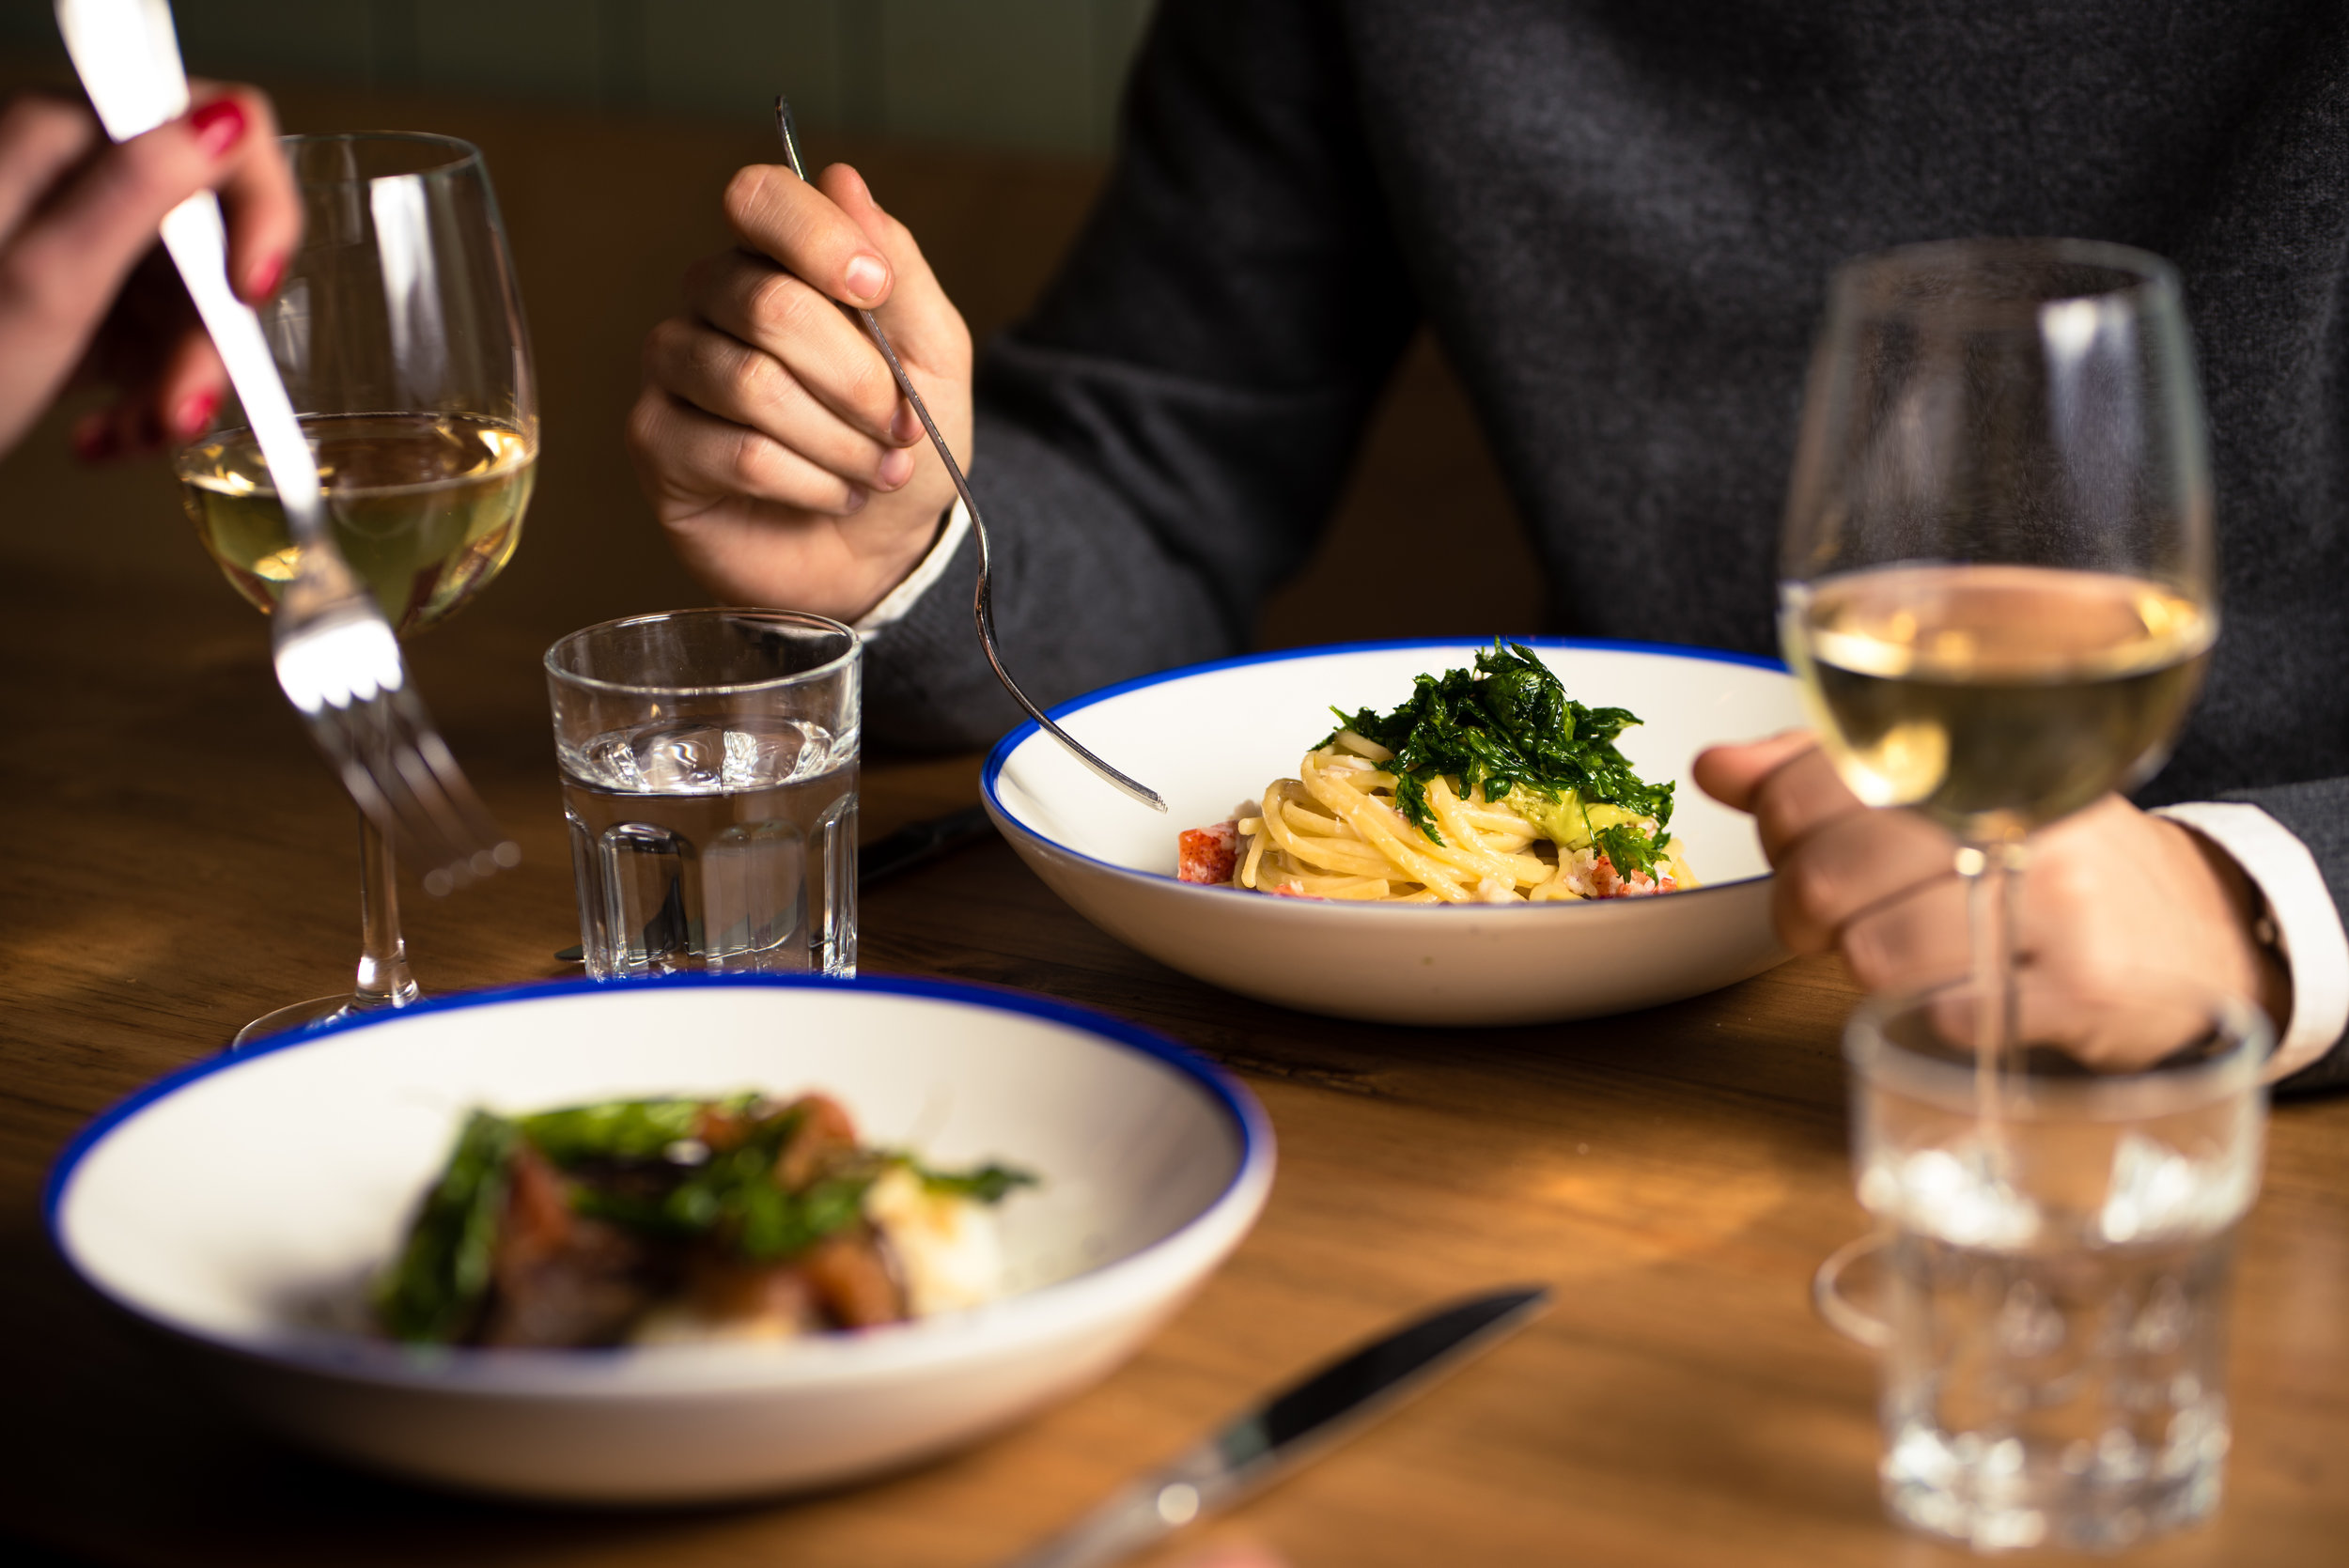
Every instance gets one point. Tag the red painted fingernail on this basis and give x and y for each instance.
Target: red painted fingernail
(218, 126)
(195, 413)
(265, 279)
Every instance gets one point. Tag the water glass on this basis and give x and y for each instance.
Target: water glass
(2053, 1290)
(710, 776)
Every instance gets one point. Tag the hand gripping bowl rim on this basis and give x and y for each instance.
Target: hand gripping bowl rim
(977, 1334)
(1007, 822)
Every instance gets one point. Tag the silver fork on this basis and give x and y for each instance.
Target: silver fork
(983, 601)
(336, 656)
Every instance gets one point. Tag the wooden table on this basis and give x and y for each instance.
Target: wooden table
(180, 861)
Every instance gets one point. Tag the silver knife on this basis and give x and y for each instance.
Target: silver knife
(1302, 1420)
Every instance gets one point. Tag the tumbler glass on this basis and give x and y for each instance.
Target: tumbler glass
(710, 776)
(2053, 1311)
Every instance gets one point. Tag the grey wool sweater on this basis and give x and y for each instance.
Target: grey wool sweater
(1618, 218)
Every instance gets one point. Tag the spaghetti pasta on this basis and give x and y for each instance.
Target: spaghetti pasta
(1491, 813)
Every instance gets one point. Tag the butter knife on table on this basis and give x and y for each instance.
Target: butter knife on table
(1302, 1420)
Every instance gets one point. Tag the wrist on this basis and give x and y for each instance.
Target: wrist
(2261, 973)
(913, 547)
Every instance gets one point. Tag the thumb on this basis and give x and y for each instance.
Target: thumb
(921, 322)
(1732, 774)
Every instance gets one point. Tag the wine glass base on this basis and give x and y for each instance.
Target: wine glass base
(299, 1015)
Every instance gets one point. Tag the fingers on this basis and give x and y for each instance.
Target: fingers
(187, 391)
(1731, 774)
(836, 239)
(72, 255)
(40, 138)
(1848, 866)
(1787, 782)
(922, 323)
(259, 198)
(804, 333)
(174, 407)
(722, 376)
(62, 265)
(776, 213)
(695, 457)
(1917, 939)
(1837, 862)
(768, 415)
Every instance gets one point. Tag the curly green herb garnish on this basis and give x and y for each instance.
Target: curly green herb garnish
(1508, 725)
(740, 1177)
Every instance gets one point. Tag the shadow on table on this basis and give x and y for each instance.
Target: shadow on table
(115, 1452)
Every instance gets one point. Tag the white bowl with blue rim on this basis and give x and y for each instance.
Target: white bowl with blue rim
(241, 1206)
(1211, 736)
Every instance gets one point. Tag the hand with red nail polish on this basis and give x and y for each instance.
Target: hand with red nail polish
(769, 434)
(90, 295)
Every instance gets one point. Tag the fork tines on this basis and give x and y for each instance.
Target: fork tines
(344, 673)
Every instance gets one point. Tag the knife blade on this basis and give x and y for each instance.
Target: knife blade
(923, 842)
(1303, 1419)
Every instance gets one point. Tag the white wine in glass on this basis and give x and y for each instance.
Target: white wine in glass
(1997, 582)
(425, 509)
(1997, 699)
(400, 335)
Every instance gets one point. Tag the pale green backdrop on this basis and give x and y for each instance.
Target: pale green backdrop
(1041, 75)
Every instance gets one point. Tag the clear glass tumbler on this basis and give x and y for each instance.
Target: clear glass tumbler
(709, 776)
(2053, 1311)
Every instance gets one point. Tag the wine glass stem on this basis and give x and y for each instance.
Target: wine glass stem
(1993, 874)
(383, 977)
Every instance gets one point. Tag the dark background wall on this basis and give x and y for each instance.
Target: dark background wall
(1038, 75)
(609, 127)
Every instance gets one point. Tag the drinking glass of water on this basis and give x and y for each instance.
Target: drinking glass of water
(709, 776)
(2052, 1310)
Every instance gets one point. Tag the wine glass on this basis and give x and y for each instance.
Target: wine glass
(399, 332)
(1996, 569)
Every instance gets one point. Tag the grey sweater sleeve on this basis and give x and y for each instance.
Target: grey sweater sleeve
(1159, 442)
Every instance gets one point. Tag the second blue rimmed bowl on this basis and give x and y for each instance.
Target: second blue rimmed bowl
(241, 1206)
(1213, 736)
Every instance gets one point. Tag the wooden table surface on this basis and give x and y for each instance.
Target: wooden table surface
(181, 862)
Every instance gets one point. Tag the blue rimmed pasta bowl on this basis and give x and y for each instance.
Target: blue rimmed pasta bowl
(241, 1207)
(1211, 736)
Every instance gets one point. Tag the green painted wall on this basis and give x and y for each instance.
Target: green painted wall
(1042, 76)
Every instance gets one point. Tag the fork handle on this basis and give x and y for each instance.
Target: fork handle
(197, 240)
(982, 605)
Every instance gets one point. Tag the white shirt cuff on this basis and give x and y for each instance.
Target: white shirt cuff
(2307, 927)
(901, 599)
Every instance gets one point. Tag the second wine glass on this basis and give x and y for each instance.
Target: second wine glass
(1997, 571)
(399, 332)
